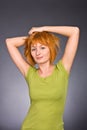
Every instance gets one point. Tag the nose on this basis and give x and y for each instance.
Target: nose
(38, 52)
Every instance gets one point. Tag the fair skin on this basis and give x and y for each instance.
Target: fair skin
(41, 55)
(45, 68)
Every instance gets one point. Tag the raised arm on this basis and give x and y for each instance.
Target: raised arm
(72, 43)
(12, 45)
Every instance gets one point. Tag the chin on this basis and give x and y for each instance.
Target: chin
(41, 62)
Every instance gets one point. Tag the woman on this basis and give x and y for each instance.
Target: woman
(47, 83)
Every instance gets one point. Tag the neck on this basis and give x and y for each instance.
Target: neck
(45, 67)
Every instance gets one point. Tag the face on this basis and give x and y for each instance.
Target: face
(40, 53)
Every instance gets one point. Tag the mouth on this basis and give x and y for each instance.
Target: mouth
(39, 58)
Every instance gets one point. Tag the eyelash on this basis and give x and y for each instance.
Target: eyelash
(42, 47)
(32, 49)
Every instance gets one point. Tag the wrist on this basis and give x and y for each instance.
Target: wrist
(48, 28)
(45, 28)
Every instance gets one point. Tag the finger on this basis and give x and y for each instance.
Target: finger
(30, 32)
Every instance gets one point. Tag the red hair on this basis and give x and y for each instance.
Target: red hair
(44, 38)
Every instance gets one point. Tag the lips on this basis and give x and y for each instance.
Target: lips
(39, 57)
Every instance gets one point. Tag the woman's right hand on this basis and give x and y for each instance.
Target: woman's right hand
(36, 29)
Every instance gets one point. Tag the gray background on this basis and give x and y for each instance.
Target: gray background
(16, 18)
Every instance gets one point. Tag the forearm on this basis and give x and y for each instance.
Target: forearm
(16, 41)
(63, 30)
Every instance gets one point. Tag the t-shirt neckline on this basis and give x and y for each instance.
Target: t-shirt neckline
(47, 77)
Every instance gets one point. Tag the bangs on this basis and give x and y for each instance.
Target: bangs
(40, 40)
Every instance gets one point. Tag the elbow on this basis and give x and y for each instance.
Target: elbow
(7, 41)
(76, 30)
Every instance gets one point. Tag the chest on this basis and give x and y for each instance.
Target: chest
(53, 87)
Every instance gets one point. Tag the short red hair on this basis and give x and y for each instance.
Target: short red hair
(44, 38)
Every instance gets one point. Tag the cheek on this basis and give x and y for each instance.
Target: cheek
(32, 54)
(47, 53)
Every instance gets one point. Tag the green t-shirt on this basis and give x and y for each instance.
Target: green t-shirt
(47, 99)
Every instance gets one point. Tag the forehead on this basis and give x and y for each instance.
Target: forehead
(37, 44)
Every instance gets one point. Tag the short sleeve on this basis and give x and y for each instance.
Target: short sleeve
(30, 73)
(61, 67)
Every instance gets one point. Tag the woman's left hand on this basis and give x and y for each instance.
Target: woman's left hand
(36, 29)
